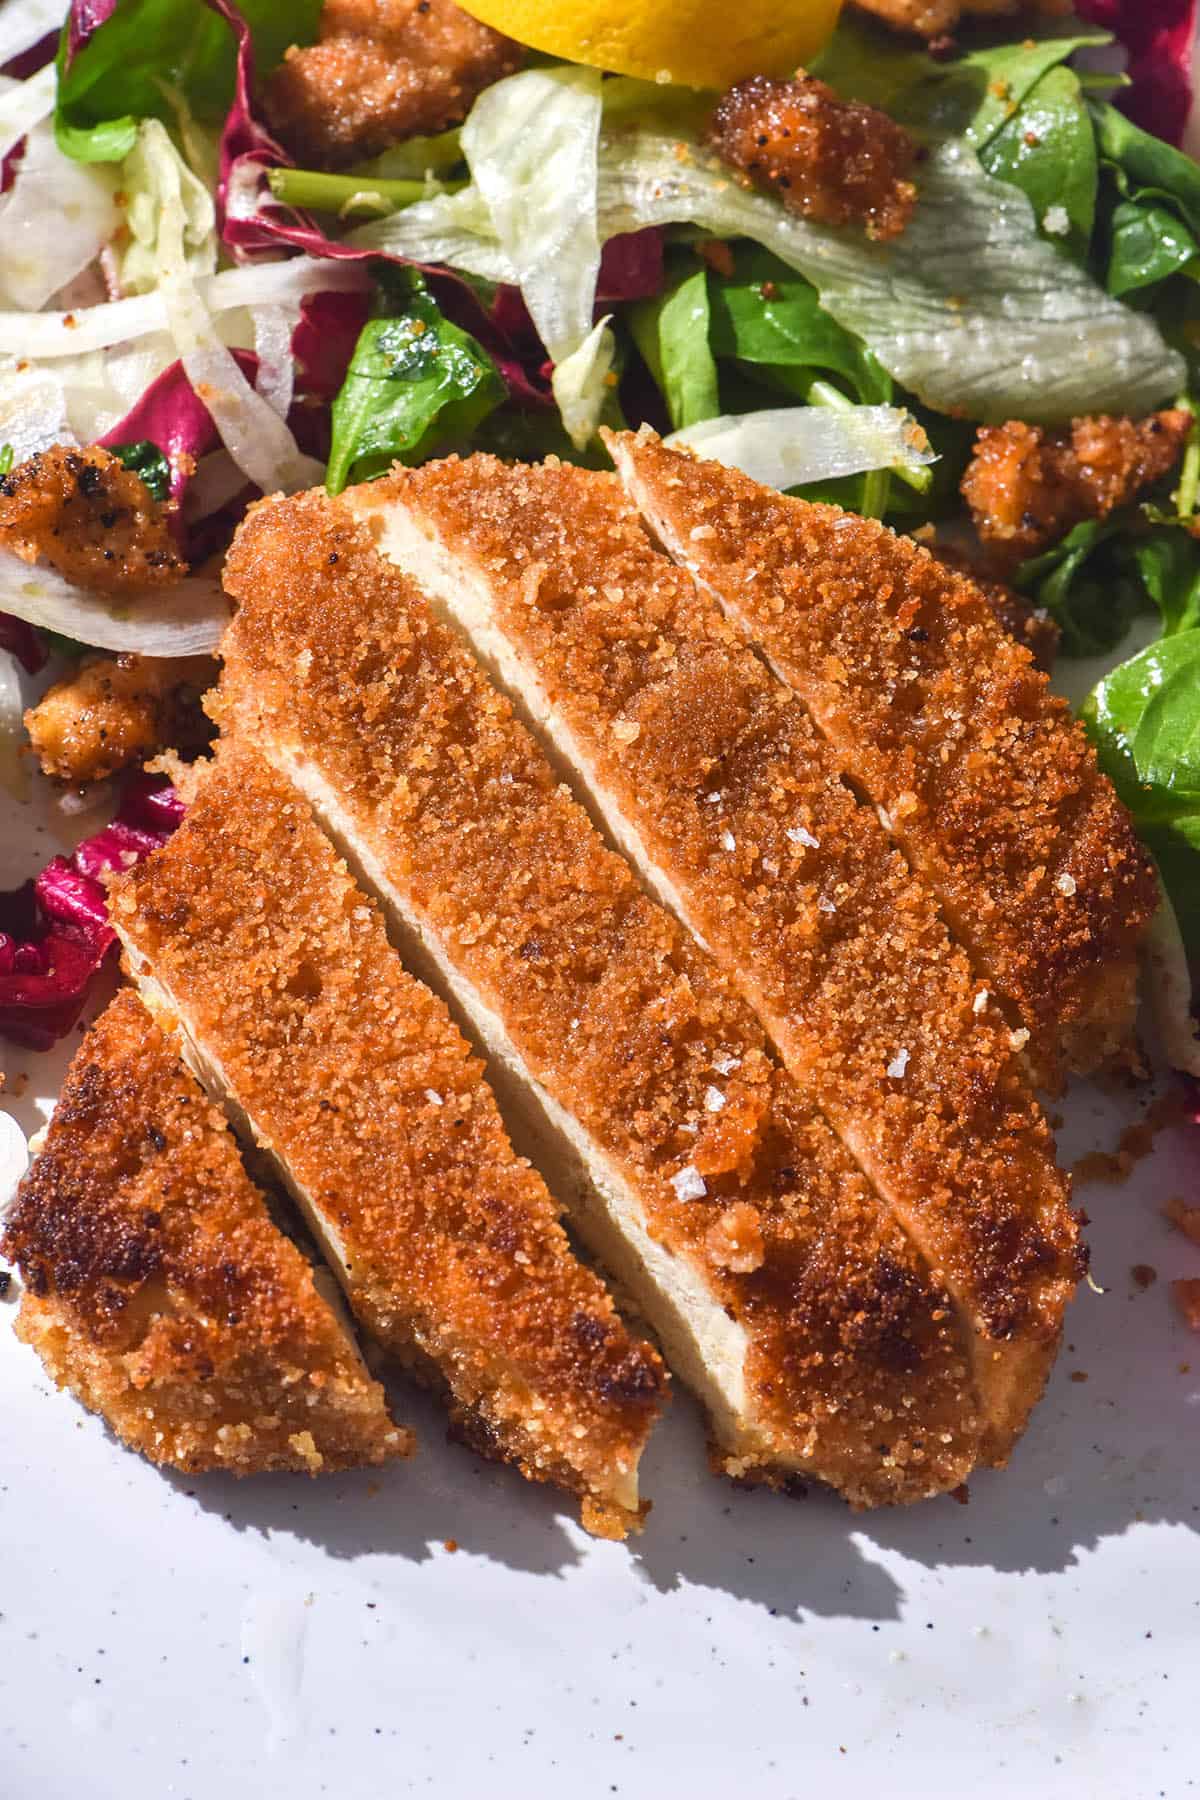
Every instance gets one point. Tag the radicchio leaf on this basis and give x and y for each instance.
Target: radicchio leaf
(54, 932)
(85, 17)
(22, 641)
(171, 415)
(1158, 36)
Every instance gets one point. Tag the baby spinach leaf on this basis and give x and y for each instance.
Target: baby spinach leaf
(1105, 572)
(1075, 581)
(148, 461)
(1048, 150)
(1149, 242)
(973, 96)
(1147, 162)
(416, 384)
(1144, 719)
(767, 315)
(672, 333)
(1167, 560)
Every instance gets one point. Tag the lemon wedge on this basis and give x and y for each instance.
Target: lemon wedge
(694, 43)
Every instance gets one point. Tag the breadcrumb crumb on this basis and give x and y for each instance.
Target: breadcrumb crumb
(89, 517)
(827, 158)
(1027, 485)
(117, 710)
(383, 71)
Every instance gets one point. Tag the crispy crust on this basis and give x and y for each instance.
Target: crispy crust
(857, 1370)
(352, 1072)
(1027, 486)
(933, 18)
(159, 1290)
(118, 710)
(384, 70)
(1031, 625)
(989, 785)
(827, 158)
(90, 518)
(691, 744)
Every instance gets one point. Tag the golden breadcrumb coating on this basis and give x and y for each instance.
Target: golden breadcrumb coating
(1027, 486)
(828, 159)
(1031, 625)
(89, 517)
(118, 710)
(856, 1366)
(159, 1290)
(354, 1074)
(934, 18)
(987, 782)
(383, 70)
(682, 733)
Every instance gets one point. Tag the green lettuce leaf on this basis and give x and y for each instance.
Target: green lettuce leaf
(416, 384)
(147, 460)
(1048, 150)
(1104, 573)
(1144, 719)
(117, 77)
(672, 334)
(793, 446)
(531, 143)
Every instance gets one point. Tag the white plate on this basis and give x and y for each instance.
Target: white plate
(214, 1640)
(210, 1639)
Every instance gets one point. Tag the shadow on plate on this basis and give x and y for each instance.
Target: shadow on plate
(1115, 1444)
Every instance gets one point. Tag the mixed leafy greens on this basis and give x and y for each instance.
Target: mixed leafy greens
(573, 255)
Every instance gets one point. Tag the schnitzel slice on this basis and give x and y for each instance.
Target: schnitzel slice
(985, 780)
(782, 1290)
(158, 1289)
(723, 794)
(350, 1074)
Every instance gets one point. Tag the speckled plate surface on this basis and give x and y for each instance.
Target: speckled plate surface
(211, 1640)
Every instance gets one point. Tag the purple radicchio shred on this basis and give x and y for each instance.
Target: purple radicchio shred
(85, 17)
(1158, 37)
(171, 415)
(20, 68)
(23, 641)
(54, 931)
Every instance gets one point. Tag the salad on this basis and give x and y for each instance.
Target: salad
(242, 261)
